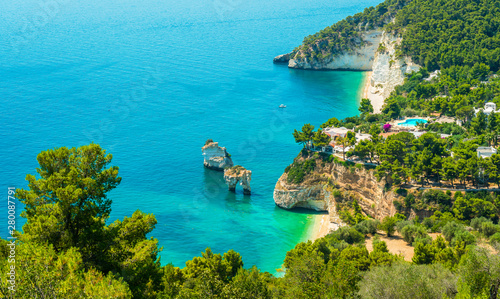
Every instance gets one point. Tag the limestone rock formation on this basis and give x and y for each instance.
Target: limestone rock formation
(239, 174)
(388, 70)
(359, 59)
(316, 191)
(216, 157)
(283, 58)
(377, 54)
(290, 196)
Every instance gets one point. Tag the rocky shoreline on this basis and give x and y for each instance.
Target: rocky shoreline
(377, 56)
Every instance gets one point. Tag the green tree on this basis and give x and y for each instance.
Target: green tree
(449, 170)
(405, 280)
(304, 136)
(348, 140)
(320, 139)
(479, 274)
(41, 272)
(391, 108)
(68, 206)
(388, 224)
(365, 106)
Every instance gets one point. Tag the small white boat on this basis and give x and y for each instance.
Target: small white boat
(282, 106)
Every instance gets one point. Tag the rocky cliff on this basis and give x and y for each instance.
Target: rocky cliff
(360, 58)
(376, 53)
(332, 183)
(215, 157)
(239, 174)
(388, 70)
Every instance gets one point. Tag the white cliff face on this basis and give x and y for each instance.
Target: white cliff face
(216, 157)
(239, 174)
(289, 196)
(388, 71)
(360, 59)
(359, 183)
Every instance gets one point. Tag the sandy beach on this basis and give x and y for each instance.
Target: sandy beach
(377, 100)
(321, 227)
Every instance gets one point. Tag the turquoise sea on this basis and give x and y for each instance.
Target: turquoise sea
(150, 81)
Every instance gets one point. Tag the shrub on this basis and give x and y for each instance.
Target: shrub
(401, 224)
(428, 222)
(387, 225)
(477, 222)
(411, 233)
(495, 238)
(368, 226)
(451, 229)
(488, 229)
(463, 236)
(348, 234)
(405, 280)
(424, 239)
(298, 170)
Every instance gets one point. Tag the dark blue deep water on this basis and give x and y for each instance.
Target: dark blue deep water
(150, 81)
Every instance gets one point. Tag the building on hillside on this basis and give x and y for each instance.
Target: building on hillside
(485, 151)
(334, 133)
(489, 108)
(417, 134)
(362, 136)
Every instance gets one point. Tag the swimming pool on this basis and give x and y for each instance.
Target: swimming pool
(412, 122)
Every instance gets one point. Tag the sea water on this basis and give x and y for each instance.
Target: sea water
(151, 81)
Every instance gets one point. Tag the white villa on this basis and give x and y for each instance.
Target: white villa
(485, 151)
(336, 132)
(489, 108)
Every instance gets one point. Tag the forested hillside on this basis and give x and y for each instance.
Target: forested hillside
(437, 34)
(345, 35)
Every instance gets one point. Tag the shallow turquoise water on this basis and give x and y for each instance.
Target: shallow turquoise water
(150, 82)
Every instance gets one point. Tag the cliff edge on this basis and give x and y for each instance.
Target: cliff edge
(331, 186)
(215, 157)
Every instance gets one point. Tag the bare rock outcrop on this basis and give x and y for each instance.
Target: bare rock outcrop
(389, 70)
(376, 52)
(358, 59)
(283, 58)
(239, 174)
(215, 157)
(316, 192)
(307, 196)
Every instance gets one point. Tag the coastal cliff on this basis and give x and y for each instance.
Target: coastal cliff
(333, 185)
(215, 157)
(239, 174)
(388, 70)
(376, 52)
(360, 58)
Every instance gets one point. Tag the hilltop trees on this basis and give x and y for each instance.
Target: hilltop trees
(320, 139)
(365, 106)
(304, 136)
(348, 140)
(66, 208)
(68, 204)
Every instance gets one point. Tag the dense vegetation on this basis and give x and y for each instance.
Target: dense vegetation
(346, 34)
(66, 249)
(439, 34)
